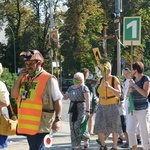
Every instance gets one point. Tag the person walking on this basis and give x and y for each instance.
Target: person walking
(107, 118)
(123, 107)
(139, 89)
(91, 84)
(79, 96)
(126, 83)
(38, 99)
(4, 102)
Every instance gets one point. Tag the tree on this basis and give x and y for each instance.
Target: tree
(29, 20)
(9, 78)
(82, 26)
(79, 29)
(23, 23)
(130, 8)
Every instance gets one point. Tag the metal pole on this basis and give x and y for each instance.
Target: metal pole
(14, 48)
(51, 61)
(51, 28)
(117, 11)
(131, 55)
(118, 53)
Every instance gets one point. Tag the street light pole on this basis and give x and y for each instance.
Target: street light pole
(118, 53)
(51, 28)
(14, 48)
(118, 9)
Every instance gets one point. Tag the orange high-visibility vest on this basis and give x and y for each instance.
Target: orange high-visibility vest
(30, 109)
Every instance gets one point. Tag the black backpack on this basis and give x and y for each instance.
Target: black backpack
(113, 85)
(149, 97)
(142, 81)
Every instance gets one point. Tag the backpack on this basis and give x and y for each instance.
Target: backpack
(142, 81)
(113, 85)
(148, 98)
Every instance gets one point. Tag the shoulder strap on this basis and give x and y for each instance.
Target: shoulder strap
(124, 80)
(10, 110)
(113, 81)
(142, 80)
(11, 113)
(101, 80)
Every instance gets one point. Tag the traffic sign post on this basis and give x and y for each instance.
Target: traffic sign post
(97, 55)
(132, 33)
(132, 30)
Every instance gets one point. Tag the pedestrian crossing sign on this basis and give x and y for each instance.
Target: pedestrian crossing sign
(97, 55)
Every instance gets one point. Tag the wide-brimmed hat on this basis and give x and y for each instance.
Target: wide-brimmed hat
(32, 55)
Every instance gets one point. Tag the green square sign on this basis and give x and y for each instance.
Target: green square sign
(132, 30)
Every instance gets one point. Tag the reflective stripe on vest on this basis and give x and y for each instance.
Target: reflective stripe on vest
(30, 109)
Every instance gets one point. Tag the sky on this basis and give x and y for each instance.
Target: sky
(2, 36)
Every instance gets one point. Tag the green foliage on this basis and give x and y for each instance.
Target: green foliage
(129, 8)
(79, 28)
(26, 25)
(82, 27)
(9, 79)
(146, 66)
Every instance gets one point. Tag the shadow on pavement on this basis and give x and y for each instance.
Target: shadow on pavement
(13, 139)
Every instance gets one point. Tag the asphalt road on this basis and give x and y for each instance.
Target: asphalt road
(60, 140)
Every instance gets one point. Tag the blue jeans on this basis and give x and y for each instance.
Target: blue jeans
(36, 142)
(3, 141)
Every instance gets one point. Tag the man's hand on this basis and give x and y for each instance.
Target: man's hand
(56, 126)
(23, 72)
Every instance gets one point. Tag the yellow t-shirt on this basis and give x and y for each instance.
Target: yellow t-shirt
(110, 98)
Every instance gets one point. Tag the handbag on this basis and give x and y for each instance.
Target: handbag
(11, 113)
(8, 126)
